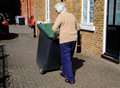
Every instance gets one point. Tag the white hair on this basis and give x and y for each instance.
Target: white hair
(60, 7)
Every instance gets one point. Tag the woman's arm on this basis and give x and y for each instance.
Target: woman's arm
(57, 23)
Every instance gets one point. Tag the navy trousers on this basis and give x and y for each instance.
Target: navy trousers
(67, 50)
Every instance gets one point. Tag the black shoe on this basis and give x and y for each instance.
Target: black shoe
(42, 72)
(34, 36)
(62, 74)
(70, 81)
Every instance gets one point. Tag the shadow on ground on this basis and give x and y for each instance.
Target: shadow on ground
(8, 36)
(77, 64)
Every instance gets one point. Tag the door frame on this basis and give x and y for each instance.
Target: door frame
(104, 26)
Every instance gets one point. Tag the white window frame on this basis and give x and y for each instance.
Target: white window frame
(89, 25)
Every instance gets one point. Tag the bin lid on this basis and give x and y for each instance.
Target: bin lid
(46, 28)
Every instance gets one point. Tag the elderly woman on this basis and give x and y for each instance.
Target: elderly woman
(67, 27)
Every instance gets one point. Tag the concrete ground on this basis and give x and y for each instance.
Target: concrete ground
(89, 72)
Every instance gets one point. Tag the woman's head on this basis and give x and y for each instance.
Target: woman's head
(60, 7)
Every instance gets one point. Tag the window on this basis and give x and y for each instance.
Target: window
(87, 15)
(117, 16)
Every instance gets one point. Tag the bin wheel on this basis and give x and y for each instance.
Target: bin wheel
(42, 71)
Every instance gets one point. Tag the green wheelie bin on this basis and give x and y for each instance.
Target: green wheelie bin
(48, 52)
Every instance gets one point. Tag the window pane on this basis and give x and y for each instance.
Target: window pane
(111, 10)
(84, 11)
(117, 17)
(91, 10)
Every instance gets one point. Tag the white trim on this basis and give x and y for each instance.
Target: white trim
(87, 27)
(88, 11)
(104, 27)
(82, 13)
(47, 10)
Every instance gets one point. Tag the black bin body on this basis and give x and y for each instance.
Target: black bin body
(48, 53)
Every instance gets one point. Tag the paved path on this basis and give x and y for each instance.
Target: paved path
(90, 72)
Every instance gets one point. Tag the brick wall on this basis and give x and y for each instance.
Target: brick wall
(27, 8)
(74, 6)
(98, 21)
(92, 41)
(53, 13)
(40, 9)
